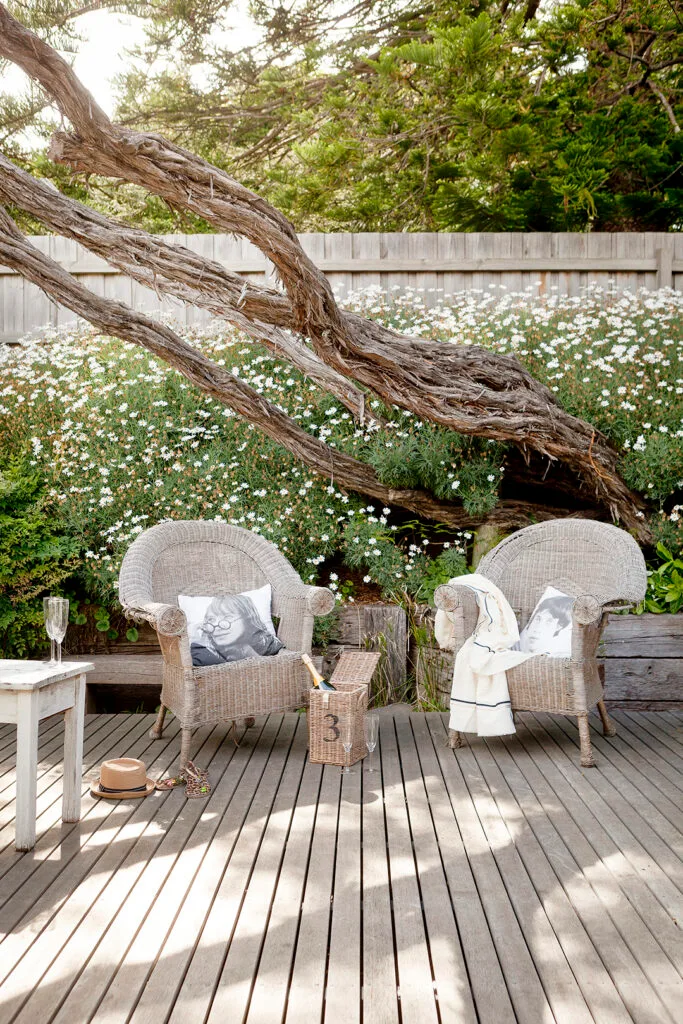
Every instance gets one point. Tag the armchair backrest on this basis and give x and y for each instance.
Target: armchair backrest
(207, 558)
(579, 556)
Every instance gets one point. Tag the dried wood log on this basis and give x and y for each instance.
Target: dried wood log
(465, 388)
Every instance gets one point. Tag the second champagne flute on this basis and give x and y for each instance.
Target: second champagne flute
(371, 727)
(48, 618)
(347, 742)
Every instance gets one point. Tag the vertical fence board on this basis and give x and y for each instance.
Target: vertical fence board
(392, 247)
(339, 245)
(38, 310)
(366, 246)
(677, 243)
(510, 281)
(204, 245)
(538, 246)
(452, 247)
(63, 250)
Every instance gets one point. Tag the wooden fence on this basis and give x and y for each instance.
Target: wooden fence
(435, 265)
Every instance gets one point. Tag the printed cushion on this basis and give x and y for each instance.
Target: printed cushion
(549, 629)
(230, 627)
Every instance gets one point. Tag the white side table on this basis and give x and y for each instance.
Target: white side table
(30, 691)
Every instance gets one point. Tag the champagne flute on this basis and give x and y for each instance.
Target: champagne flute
(371, 727)
(347, 742)
(56, 615)
(48, 629)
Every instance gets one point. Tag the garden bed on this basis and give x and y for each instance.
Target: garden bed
(100, 442)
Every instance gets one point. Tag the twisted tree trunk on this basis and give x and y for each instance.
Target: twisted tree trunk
(465, 388)
(118, 319)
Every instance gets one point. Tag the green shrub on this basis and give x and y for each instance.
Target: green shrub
(36, 558)
(664, 584)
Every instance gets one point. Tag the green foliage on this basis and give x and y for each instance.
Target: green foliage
(664, 585)
(103, 623)
(36, 558)
(325, 629)
(451, 116)
(427, 456)
(667, 529)
(438, 571)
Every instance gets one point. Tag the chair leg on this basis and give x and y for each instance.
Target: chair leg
(455, 739)
(158, 728)
(185, 745)
(608, 726)
(585, 737)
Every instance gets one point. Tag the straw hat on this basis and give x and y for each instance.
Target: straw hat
(124, 778)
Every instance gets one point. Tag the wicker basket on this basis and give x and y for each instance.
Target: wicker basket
(328, 711)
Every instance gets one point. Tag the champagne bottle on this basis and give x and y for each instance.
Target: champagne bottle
(318, 681)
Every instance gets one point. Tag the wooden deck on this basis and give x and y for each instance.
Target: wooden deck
(497, 883)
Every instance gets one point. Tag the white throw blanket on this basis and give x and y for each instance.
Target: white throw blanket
(480, 700)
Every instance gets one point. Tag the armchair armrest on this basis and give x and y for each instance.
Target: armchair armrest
(588, 618)
(586, 609)
(318, 600)
(167, 619)
(297, 604)
(451, 629)
(448, 598)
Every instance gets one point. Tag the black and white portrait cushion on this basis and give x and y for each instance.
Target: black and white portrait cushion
(549, 629)
(230, 627)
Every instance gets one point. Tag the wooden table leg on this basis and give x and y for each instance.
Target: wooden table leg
(27, 769)
(73, 753)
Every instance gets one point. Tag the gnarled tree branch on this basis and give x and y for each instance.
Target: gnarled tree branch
(668, 109)
(464, 388)
(178, 271)
(118, 319)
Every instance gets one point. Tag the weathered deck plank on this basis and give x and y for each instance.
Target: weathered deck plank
(597, 855)
(496, 884)
(486, 980)
(343, 990)
(451, 984)
(416, 985)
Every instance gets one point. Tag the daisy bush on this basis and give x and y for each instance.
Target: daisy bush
(121, 441)
(614, 359)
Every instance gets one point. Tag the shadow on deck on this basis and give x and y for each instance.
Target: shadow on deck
(496, 883)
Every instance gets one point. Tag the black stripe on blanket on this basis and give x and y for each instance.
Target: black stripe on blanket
(479, 703)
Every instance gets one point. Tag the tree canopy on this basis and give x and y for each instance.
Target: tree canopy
(414, 114)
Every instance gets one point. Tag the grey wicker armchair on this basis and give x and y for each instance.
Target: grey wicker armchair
(211, 559)
(601, 566)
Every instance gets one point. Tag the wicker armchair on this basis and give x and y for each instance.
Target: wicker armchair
(601, 566)
(211, 558)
